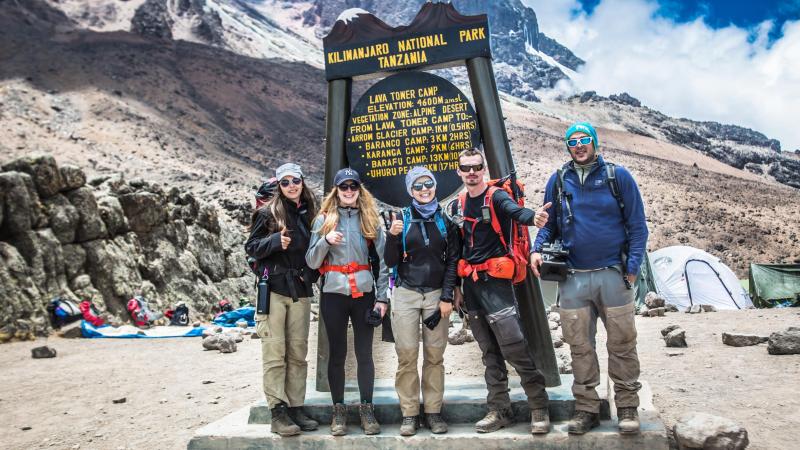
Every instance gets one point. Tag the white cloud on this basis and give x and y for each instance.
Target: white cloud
(685, 70)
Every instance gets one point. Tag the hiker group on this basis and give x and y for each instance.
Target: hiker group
(416, 266)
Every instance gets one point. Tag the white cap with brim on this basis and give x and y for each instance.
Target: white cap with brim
(289, 169)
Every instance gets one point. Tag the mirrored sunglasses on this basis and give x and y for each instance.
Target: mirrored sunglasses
(287, 182)
(424, 185)
(466, 169)
(586, 140)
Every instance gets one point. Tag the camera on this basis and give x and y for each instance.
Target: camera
(554, 262)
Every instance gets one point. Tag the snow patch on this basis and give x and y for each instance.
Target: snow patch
(350, 14)
(549, 60)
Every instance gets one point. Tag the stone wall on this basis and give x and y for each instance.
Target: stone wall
(106, 241)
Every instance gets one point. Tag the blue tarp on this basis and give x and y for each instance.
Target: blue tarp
(129, 331)
(229, 319)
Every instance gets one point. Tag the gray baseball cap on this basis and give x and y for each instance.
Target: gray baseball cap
(289, 169)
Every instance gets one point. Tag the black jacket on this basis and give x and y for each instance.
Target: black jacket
(426, 267)
(288, 270)
(484, 243)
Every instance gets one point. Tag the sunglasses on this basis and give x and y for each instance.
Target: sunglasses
(348, 187)
(295, 181)
(424, 185)
(466, 169)
(586, 140)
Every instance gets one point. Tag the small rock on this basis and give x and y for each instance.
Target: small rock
(208, 381)
(676, 338)
(554, 317)
(43, 352)
(742, 340)
(119, 400)
(552, 325)
(656, 312)
(644, 311)
(26, 428)
(196, 324)
(666, 330)
(460, 336)
(558, 342)
(564, 362)
(255, 336)
(653, 300)
(71, 331)
(708, 308)
(208, 332)
(241, 324)
(784, 342)
(701, 430)
(694, 309)
(669, 307)
(227, 344)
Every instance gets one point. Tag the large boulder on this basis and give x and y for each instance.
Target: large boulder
(112, 214)
(144, 210)
(701, 430)
(784, 342)
(64, 218)
(113, 265)
(208, 218)
(742, 340)
(207, 249)
(72, 177)
(19, 294)
(91, 225)
(653, 300)
(74, 259)
(19, 203)
(42, 169)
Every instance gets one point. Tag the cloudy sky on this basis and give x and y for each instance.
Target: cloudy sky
(733, 61)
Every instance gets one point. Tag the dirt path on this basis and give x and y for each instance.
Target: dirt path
(68, 401)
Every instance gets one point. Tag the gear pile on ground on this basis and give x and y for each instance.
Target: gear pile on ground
(106, 241)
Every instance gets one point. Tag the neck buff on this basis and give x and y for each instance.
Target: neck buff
(426, 210)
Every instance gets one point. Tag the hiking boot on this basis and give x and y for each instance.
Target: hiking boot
(300, 418)
(368, 423)
(409, 425)
(628, 420)
(281, 422)
(583, 421)
(436, 423)
(540, 421)
(493, 421)
(339, 420)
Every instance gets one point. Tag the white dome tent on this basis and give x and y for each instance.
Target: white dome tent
(687, 276)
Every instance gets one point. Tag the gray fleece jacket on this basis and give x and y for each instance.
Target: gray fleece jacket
(353, 249)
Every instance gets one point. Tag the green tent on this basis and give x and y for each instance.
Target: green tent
(774, 285)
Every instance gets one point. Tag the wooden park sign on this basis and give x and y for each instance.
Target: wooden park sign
(412, 118)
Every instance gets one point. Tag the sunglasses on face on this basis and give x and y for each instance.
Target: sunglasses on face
(586, 140)
(348, 187)
(425, 184)
(466, 168)
(295, 181)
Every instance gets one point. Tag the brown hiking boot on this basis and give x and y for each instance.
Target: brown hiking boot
(368, 423)
(409, 425)
(281, 422)
(339, 420)
(436, 423)
(583, 421)
(628, 420)
(493, 421)
(300, 418)
(540, 421)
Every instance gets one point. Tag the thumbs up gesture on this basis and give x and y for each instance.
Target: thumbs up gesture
(541, 216)
(397, 225)
(285, 239)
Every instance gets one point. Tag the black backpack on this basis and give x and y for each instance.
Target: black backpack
(180, 317)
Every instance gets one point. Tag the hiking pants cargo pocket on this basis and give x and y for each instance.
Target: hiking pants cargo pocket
(262, 325)
(506, 326)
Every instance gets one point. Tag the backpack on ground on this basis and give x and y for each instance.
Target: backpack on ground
(91, 314)
(140, 313)
(62, 311)
(180, 315)
(520, 243)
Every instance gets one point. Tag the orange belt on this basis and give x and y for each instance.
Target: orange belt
(350, 269)
(501, 267)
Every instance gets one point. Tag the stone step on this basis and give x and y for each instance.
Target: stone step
(464, 402)
(233, 432)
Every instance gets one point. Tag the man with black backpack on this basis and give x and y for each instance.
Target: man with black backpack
(599, 228)
(489, 219)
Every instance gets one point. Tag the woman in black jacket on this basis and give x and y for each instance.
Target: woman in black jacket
(424, 246)
(279, 239)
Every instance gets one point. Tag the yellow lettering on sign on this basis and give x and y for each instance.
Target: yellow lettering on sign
(473, 34)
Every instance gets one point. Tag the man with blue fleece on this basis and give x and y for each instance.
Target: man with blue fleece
(606, 238)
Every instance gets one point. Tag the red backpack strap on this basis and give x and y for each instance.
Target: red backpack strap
(487, 201)
(462, 202)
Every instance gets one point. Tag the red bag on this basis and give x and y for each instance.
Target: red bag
(91, 314)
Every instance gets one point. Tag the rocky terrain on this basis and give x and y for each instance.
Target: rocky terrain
(106, 241)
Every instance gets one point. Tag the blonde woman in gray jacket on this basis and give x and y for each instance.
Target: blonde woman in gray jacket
(343, 235)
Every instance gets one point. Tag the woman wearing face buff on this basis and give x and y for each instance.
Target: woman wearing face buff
(424, 246)
(279, 239)
(344, 235)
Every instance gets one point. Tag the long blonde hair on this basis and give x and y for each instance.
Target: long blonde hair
(368, 213)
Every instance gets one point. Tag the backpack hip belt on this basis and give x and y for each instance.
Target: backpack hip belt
(350, 269)
(501, 267)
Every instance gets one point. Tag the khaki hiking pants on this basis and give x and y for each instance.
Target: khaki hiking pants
(284, 345)
(409, 307)
(584, 297)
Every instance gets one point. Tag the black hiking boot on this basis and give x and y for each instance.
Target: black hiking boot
(409, 425)
(493, 421)
(282, 424)
(339, 420)
(368, 422)
(628, 420)
(583, 421)
(300, 418)
(436, 423)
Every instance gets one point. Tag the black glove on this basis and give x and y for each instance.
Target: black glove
(373, 316)
(433, 320)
